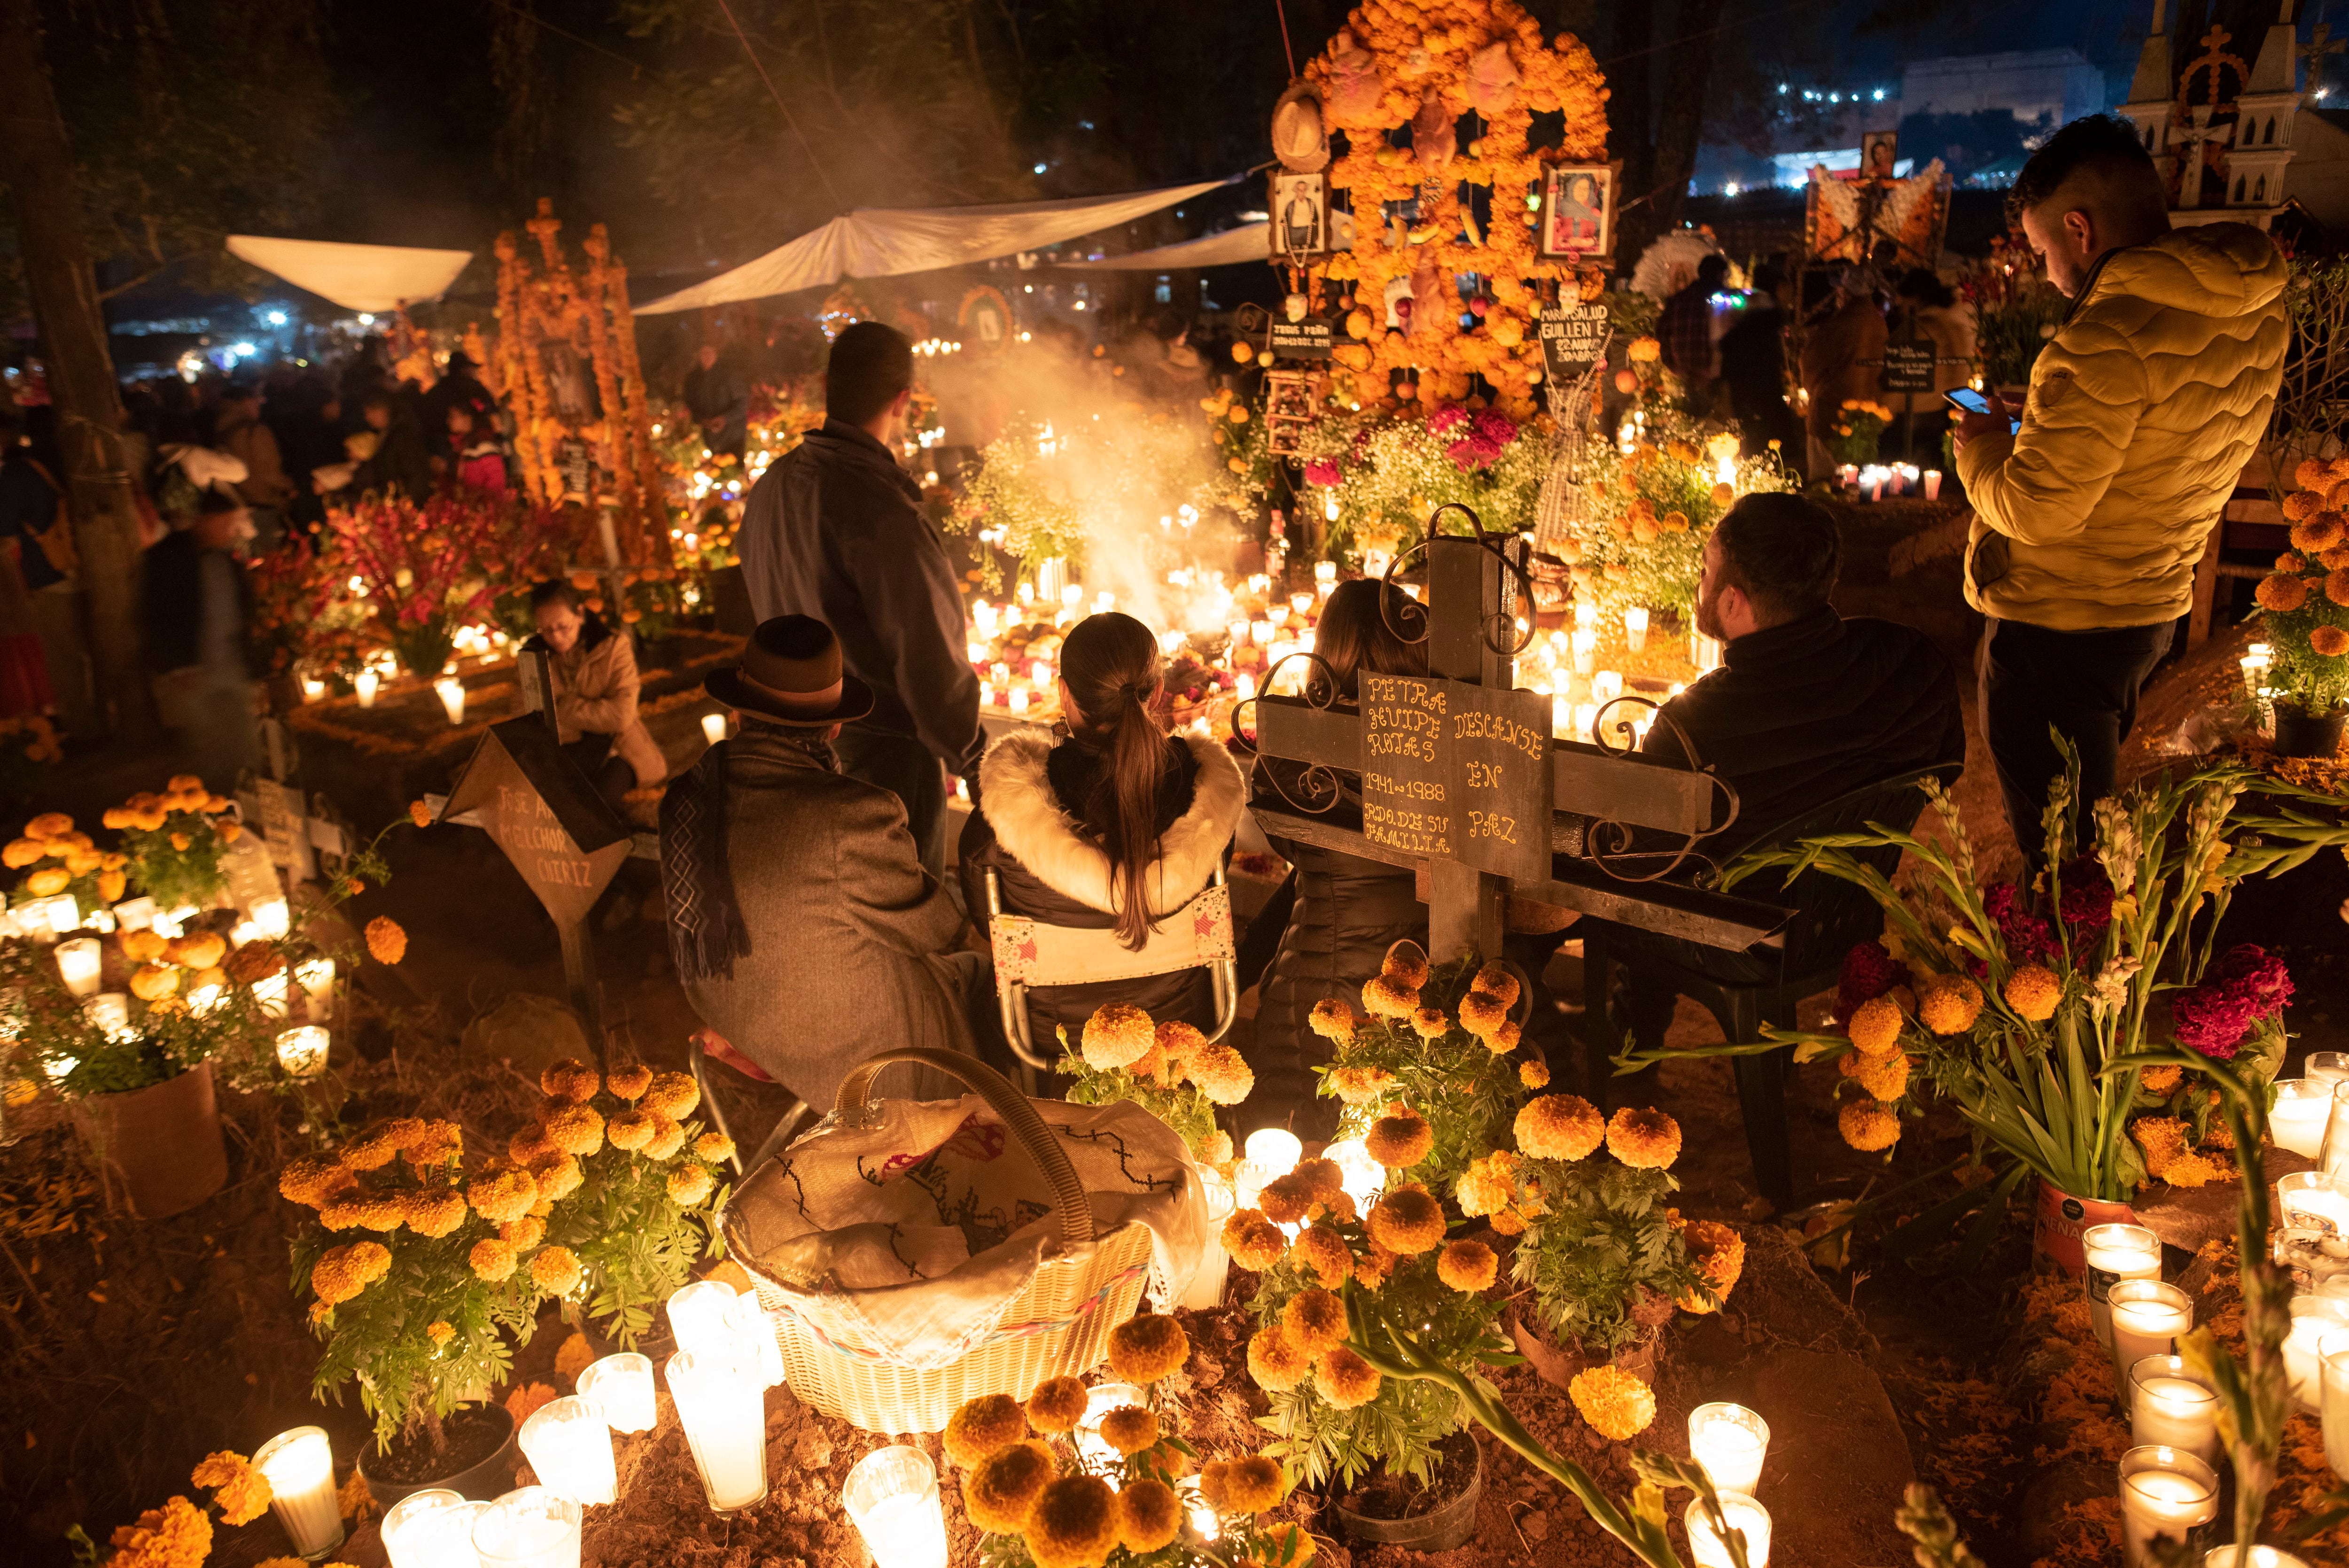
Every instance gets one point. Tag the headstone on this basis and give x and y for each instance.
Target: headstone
(1573, 336)
(1309, 339)
(284, 828)
(1908, 366)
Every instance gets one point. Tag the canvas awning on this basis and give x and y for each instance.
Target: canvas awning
(886, 242)
(356, 277)
(1248, 243)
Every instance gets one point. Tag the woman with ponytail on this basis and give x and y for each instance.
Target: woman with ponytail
(1113, 828)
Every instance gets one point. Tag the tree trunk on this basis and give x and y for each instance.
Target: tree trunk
(64, 286)
(1628, 118)
(1688, 68)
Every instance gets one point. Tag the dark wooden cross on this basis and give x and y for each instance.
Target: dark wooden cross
(1460, 776)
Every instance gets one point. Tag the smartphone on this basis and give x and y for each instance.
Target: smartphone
(1972, 402)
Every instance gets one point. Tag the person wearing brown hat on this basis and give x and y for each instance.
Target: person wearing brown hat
(805, 931)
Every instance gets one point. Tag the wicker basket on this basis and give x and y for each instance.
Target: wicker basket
(1058, 1326)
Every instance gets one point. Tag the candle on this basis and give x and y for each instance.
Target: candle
(2171, 1407)
(1261, 632)
(713, 728)
(893, 1496)
(1274, 1149)
(1606, 686)
(1704, 653)
(2302, 1106)
(2164, 1495)
(2146, 1316)
(1244, 686)
(1932, 484)
(1635, 627)
(2333, 1154)
(536, 1527)
(272, 916)
(364, 683)
(2313, 1203)
(1238, 631)
(1198, 1510)
(302, 1051)
(1073, 595)
(1586, 721)
(300, 1465)
(1020, 700)
(570, 1447)
(1325, 575)
(1000, 674)
(1361, 1176)
(754, 1332)
(697, 1318)
(61, 915)
(109, 1011)
(270, 992)
(451, 693)
(2115, 1252)
(1729, 1441)
(2233, 1556)
(725, 1421)
(620, 1387)
(1205, 1290)
(78, 966)
(1302, 604)
(135, 915)
(1100, 1400)
(2330, 1066)
(2315, 1319)
(1741, 1514)
(313, 688)
(431, 1529)
(2333, 1379)
(242, 933)
(1586, 649)
(316, 978)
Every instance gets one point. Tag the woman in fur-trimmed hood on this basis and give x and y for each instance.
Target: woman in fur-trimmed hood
(1070, 828)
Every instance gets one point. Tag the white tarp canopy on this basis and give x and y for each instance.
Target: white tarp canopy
(356, 277)
(1248, 243)
(884, 241)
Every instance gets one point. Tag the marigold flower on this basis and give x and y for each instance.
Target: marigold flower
(983, 1425)
(242, 1491)
(22, 852)
(1484, 1189)
(385, 939)
(1315, 1319)
(2167, 1157)
(712, 1148)
(1149, 1513)
(1001, 1489)
(2336, 580)
(1481, 1014)
(2162, 1080)
(1333, 1020)
(1533, 1075)
(523, 1233)
(1286, 1199)
(2318, 531)
(1213, 1148)
(529, 1143)
(1870, 1126)
(558, 1176)
(673, 1095)
(1129, 1428)
(576, 1130)
(527, 1400)
(1074, 1523)
(438, 1143)
(1148, 1347)
(200, 951)
(1645, 351)
(111, 885)
(248, 965)
(1247, 1485)
(1719, 1253)
(1950, 1004)
(310, 1179)
(555, 1270)
(435, 1214)
(1430, 1024)
(669, 1137)
(1381, 997)
(1373, 1266)
(2332, 641)
(631, 1129)
(1875, 1026)
(1360, 1085)
(1222, 1076)
(1407, 1221)
(343, 1213)
(1117, 1035)
(1468, 1266)
(2279, 593)
(1344, 1379)
(177, 1536)
(502, 1195)
(1057, 1405)
(688, 1185)
(1322, 1253)
(1276, 1360)
(440, 1331)
(629, 1082)
(1559, 1127)
(1617, 1404)
(1643, 1137)
(149, 983)
(2033, 991)
(1884, 1078)
(341, 1273)
(570, 1079)
(1402, 1139)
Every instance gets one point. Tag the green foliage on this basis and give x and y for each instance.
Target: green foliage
(2016, 312)
(178, 864)
(635, 1243)
(1182, 1107)
(1468, 1093)
(1605, 1245)
(53, 1031)
(1396, 473)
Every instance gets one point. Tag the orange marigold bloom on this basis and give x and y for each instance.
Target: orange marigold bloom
(435, 1214)
(1719, 1253)
(1148, 1347)
(1344, 1379)
(1481, 1014)
(1617, 1404)
(576, 1130)
(631, 1129)
(1074, 1523)
(1867, 1125)
(1950, 1004)
(1384, 998)
(1286, 1199)
(2322, 531)
(1322, 1253)
(1884, 1078)
(1875, 1026)
(1176, 1043)
(385, 939)
(1407, 1221)
(1400, 1140)
(2033, 991)
(558, 1176)
(1001, 1490)
(711, 1148)
(630, 1082)
(1057, 1405)
(1468, 1266)
(1315, 1319)
(1559, 1127)
(242, 1491)
(2332, 641)
(1117, 1035)
(502, 1195)
(1276, 1360)
(983, 1425)
(669, 1137)
(177, 1536)
(1130, 1428)
(1360, 1085)
(673, 1095)
(1222, 1074)
(1149, 1513)
(1333, 1020)
(523, 1233)
(1533, 1075)
(310, 1179)
(1430, 1024)
(1213, 1148)
(420, 813)
(688, 1185)
(555, 1270)
(2280, 594)
(1643, 1137)
(1248, 1485)
(569, 1078)
(2162, 1080)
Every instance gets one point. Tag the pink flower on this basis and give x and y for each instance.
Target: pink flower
(1443, 419)
(1869, 971)
(2247, 985)
(1323, 471)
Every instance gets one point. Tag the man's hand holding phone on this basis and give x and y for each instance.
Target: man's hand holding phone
(1978, 417)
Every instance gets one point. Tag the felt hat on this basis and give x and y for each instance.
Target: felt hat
(790, 674)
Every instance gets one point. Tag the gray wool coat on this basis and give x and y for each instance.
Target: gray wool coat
(853, 948)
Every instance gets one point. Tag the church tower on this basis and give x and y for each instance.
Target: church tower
(2262, 145)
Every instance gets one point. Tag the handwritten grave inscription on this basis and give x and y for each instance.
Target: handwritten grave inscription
(1457, 771)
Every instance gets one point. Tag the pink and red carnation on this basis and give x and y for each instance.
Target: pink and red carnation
(2247, 985)
(1869, 971)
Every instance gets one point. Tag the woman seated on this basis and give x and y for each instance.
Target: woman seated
(1112, 829)
(1348, 911)
(594, 672)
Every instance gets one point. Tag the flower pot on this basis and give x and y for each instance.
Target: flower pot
(2300, 733)
(160, 1146)
(1557, 1364)
(479, 1463)
(2056, 1234)
(1448, 1524)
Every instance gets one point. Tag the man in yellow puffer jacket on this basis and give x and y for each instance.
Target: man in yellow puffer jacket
(2089, 518)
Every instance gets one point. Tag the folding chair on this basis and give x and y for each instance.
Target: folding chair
(1029, 953)
(706, 1046)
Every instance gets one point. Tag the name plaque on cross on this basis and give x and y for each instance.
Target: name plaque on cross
(1457, 771)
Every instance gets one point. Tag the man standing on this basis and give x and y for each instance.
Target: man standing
(719, 403)
(2089, 518)
(834, 531)
(244, 435)
(198, 606)
(1685, 331)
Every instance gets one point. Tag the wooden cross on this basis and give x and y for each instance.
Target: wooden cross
(1461, 778)
(2321, 43)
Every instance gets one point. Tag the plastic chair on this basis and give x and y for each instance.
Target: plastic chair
(1831, 916)
(1030, 952)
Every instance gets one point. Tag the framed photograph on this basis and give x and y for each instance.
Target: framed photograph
(1577, 212)
(1299, 209)
(1878, 150)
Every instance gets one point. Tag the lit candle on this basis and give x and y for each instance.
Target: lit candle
(1561, 718)
(1729, 1440)
(206, 999)
(2254, 667)
(725, 1421)
(1039, 671)
(109, 1013)
(1635, 627)
(713, 728)
(78, 966)
(272, 916)
(2115, 1252)
(2147, 1316)
(316, 978)
(1104, 602)
(2313, 1203)
(313, 689)
(570, 1447)
(270, 992)
(1205, 1520)
(1585, 720)
(2332, 1157)
(621, 1388)
(300, 1465)
(754, 1332)
(893, 1496)
(242, 932)
(1932, 484)
(1586, 648)
(1274, 1149)
(2332, 1377)
(1261, 632)
(1093, 1449)
(697, 1318)
(2233, 1556)
(1073, 595)
(1606, 686)
(302, 1051)
(451, 693)
(2302, 1106)
(1000, 674)
(135, 915)
(1205, 1290)
(2331, 1066)
(1741, 1514)
(1020, 700)
(64, 915)
(2171, 1407)
(1325, 575)
(1238, 631)
(1244, 686)
(2166, 1494)
(364, 683)
(2314, 1320)
(1361, 1176)
(536, 1527)
(433, 1529)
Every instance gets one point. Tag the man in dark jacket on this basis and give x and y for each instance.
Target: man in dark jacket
(197, 605)
(1685, 331)
(834, 531)
(459, 389)
(1753, 369)
(719, 403)
(402, 461)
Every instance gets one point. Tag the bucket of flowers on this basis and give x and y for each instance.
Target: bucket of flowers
(2305, 607)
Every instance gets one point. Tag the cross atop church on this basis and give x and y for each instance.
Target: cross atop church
(2213, 60)
(2321, 43)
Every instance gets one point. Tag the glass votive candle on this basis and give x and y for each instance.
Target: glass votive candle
(109, 1011)
(300, 1465)
(713, 728)
(2313, 1203)
(431, 1529)
(2302, 1107)
(1586, 649)
(451, 693)
(2333, 1376)
(313, 688)
(570, 1447)
(2314, 1320)
(697, 1318)
(2326, 1066)
(2332, 1155)
(273, 918)
(2233, 1556)
(754, 1332)
(316, 978)
(78, 961)
(1206, 1289)
(2148, 1318)
(1741, 1513)
(302, 1051)
(724, 1414)
(1729, 1440)
(620, 1387)
(1093, 1449)
(2113, 1253)
(1273, 1149)
(535, 1527)
(270, 992)
(1635, 628)
(206, 999)
(893, 1496)
(61, 915)
(363, 684)
(2172, 1407)
(2166, 1494)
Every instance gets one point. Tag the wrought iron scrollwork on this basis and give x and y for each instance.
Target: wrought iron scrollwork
(1319, 777)
(1608, 841)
